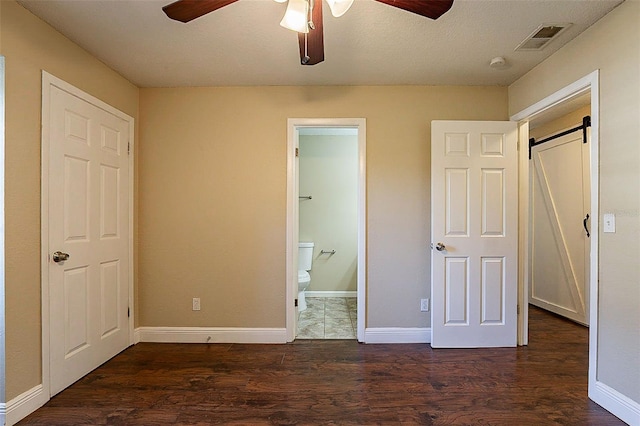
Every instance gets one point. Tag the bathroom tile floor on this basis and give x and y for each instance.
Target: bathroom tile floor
(328, 318)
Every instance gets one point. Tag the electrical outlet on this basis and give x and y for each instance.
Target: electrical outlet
(424, 305)
(196, 304)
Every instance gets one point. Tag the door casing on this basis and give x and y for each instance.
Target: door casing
(293, 126)
(47, 81)
(3, 398)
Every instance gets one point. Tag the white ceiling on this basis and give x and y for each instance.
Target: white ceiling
(372, 44)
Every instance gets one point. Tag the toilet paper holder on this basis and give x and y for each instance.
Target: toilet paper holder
(327, 252)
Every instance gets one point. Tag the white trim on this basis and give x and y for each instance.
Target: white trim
(49, 80)
(523, 233)
(362, 229)
(293, 126)
(44, 232)
(3, 395)
(397, 335)
(211, 335)
(131, 149)
(571, 91)
(25, 403)
(291, 291)
(621, 406)
(322, 293)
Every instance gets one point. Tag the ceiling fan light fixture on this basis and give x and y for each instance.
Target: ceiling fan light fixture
(296, 17)
(339, 7)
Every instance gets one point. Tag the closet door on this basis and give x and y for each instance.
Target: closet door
(559, 227)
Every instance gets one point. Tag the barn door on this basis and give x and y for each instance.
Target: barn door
(560, 222)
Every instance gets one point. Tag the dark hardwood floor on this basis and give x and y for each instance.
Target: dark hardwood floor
(335, 382)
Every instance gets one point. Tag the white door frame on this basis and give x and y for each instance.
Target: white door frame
(587, 84)
(293, 125)
(3, 396)
(49, 80)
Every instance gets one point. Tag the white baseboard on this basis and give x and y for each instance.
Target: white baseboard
(24, 404)
(397, 335)
(616, 403)
(210, 335)
(321, 293)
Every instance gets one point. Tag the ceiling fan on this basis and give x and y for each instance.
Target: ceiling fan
(305, 17)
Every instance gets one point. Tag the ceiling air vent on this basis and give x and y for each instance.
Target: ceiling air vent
(538, 39)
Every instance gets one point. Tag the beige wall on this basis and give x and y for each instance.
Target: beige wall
(567, 121)
(610, 45)
(212, 196)
(329, 173)
(29, 46)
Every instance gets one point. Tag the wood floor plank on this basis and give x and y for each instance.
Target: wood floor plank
(339, 382)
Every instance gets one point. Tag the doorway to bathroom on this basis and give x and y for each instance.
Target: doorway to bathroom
(327, 231)
(326, 221)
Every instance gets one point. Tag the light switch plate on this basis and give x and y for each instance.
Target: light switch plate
(609, 220)
(424, 305)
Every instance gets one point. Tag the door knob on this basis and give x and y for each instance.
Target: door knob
(440, 247)
(60, 256)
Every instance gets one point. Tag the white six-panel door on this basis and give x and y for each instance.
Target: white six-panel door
(474, 201)
(88, 217)
(559, 250)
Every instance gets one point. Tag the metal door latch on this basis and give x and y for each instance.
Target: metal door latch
(60, 256)
(439, 246)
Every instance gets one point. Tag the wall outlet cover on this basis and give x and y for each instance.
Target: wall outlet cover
(609, 220)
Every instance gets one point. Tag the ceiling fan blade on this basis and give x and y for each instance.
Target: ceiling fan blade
(188, 10)
(313, 47)
(428, 8)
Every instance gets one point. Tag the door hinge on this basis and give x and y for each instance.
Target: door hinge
(518, 309)
(295, 303)
(128, 147)
(128, 312)
(297, 155)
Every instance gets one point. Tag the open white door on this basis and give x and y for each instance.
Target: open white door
(474, 229)
(88, 235)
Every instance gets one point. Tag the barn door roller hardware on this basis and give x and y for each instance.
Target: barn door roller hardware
(586, 122)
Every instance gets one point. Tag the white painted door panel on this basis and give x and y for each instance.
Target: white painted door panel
(559, 243)
(88, 219)
(474, 214)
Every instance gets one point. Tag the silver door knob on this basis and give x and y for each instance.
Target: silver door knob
(440, 247)
(60, 256)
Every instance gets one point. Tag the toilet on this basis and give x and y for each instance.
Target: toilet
(305, 258)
